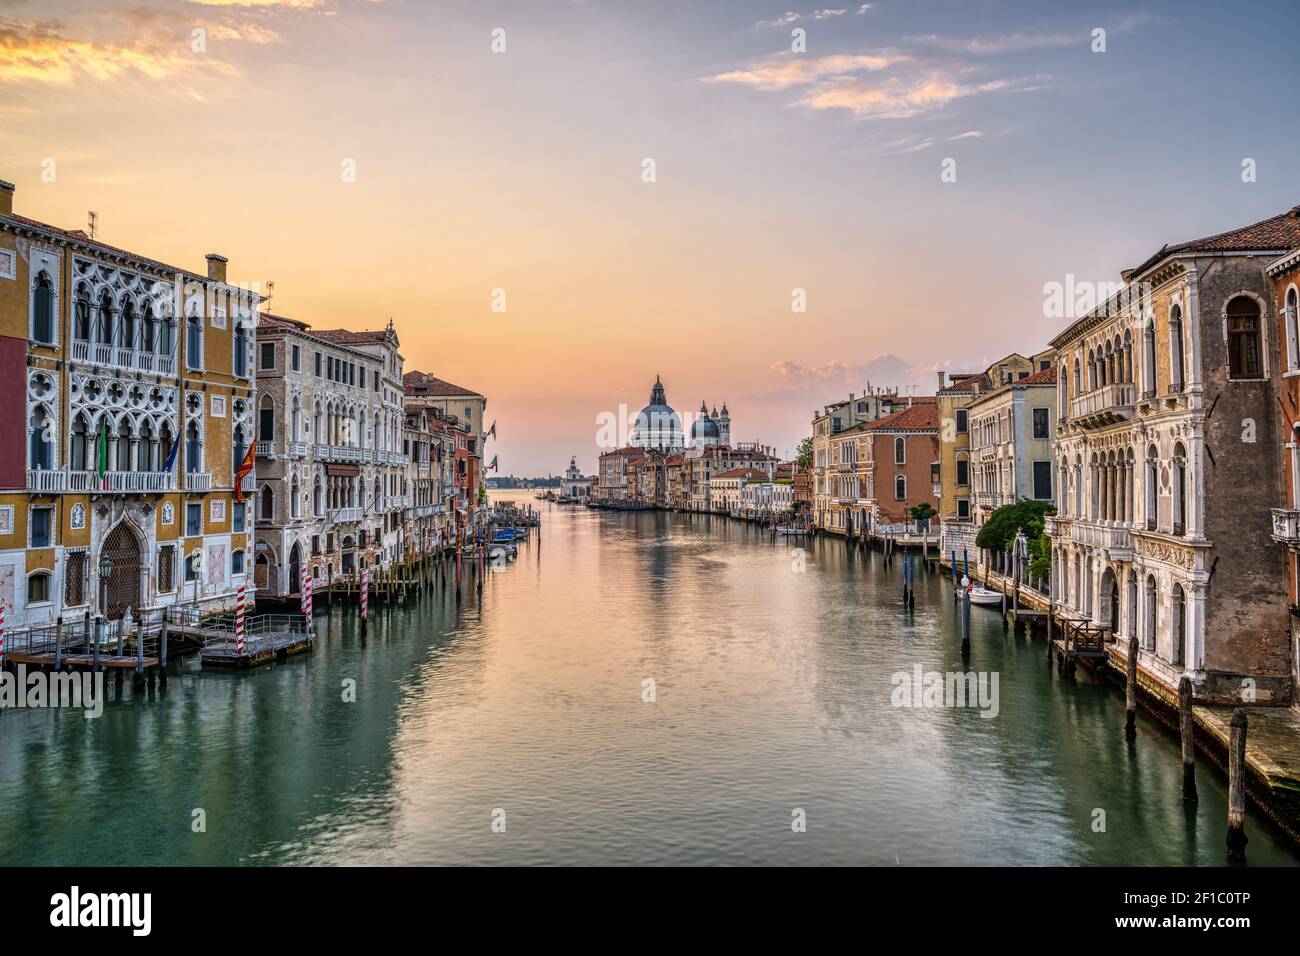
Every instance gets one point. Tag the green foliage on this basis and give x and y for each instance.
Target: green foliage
(923, 512)
(804, 453)
(1000, 531)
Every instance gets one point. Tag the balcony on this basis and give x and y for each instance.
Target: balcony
(1104, 406)
(266, 449)
(343, 515)
(1116, 539)
(296, 449)
(1286, 526)
(249, 484)
(96, 353)
(121, 482)
(198, 481)
(47, 481)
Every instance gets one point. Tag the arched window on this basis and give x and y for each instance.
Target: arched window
(123, 457)
(194, 342)
(165, 442)
(43, 309)
(80, 444)
(193, 449)
(1244, 349)
(1149, 359)
(1180, 489)
(1077, 377)
(295, 502)
(317, 425)
(1092, 370)
(126, 327)
(316, 497)
(241, 350)
(105, 330)
(1176, 364)
(900, 487)
(38, 587)
(148, 330)
(1178, 624)
(149, 455)
(238, 450)
(266, 504)
(237, 561)
(166, 336)
(1128, 356)
(295, 430)
(42, 440)
(1291, 309)
(266, 420)
(1149, 602)
(1153, 488)
(900, 451)
(81, 328)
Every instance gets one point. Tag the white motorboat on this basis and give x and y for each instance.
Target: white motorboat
(978, 595)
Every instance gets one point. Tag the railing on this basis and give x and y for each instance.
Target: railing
(344, 515)
(249, 483)
(265, 449)
(198, 481)
(395, 502)
(1112, 402)
(1286, 525)
(121, 481)
(98, 353)
(1112, 538)
(46, 480)
(297, 449)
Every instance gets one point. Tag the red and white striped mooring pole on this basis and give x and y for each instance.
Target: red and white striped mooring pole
(306, 594)
(239, 623)
(365, 595)
(2, 633)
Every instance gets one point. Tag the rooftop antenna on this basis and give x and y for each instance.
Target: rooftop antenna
(92, 223)
(270, 291)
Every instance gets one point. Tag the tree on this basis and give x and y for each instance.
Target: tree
(1006, 523)
(922, 514)
(804, 453)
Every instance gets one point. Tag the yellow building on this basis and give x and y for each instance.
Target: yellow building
(956, 475)
(113, 360)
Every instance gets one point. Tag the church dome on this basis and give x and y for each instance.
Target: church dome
(657, 425)
(705, 430)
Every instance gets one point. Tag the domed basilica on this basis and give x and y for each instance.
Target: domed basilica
(658, 427)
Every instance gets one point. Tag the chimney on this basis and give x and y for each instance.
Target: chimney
(941, 377)
(6, 198)
(216, 267)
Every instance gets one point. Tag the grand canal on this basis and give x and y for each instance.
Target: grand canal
(772, 692)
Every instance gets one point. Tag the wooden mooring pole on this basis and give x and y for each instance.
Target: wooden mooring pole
(1185, 737)
(1237, 786)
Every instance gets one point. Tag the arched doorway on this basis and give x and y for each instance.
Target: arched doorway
(122, 548)
(262, 571)
(295, 569)
(1110, 600)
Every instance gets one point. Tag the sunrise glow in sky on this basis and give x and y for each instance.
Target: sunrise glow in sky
(775, 170)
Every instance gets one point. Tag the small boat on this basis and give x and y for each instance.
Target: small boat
(789, 529)
(985, 598)
(502, 552)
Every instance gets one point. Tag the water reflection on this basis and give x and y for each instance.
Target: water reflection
(772, 693)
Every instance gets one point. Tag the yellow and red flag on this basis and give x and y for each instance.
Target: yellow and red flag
(245, 468)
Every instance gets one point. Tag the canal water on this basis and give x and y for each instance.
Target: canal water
(773, 673)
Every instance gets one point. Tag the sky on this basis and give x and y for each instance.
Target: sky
(554, 201)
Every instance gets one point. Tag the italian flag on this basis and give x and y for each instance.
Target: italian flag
(101, 453)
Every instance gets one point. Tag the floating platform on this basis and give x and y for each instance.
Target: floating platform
(257, 650)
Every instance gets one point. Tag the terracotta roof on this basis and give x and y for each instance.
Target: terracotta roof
(1046, 377)
(280, 322)
(966, 383)
(1277, 232)
(920, 417)
(422, 383)
(742, 473)
(348, 337)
